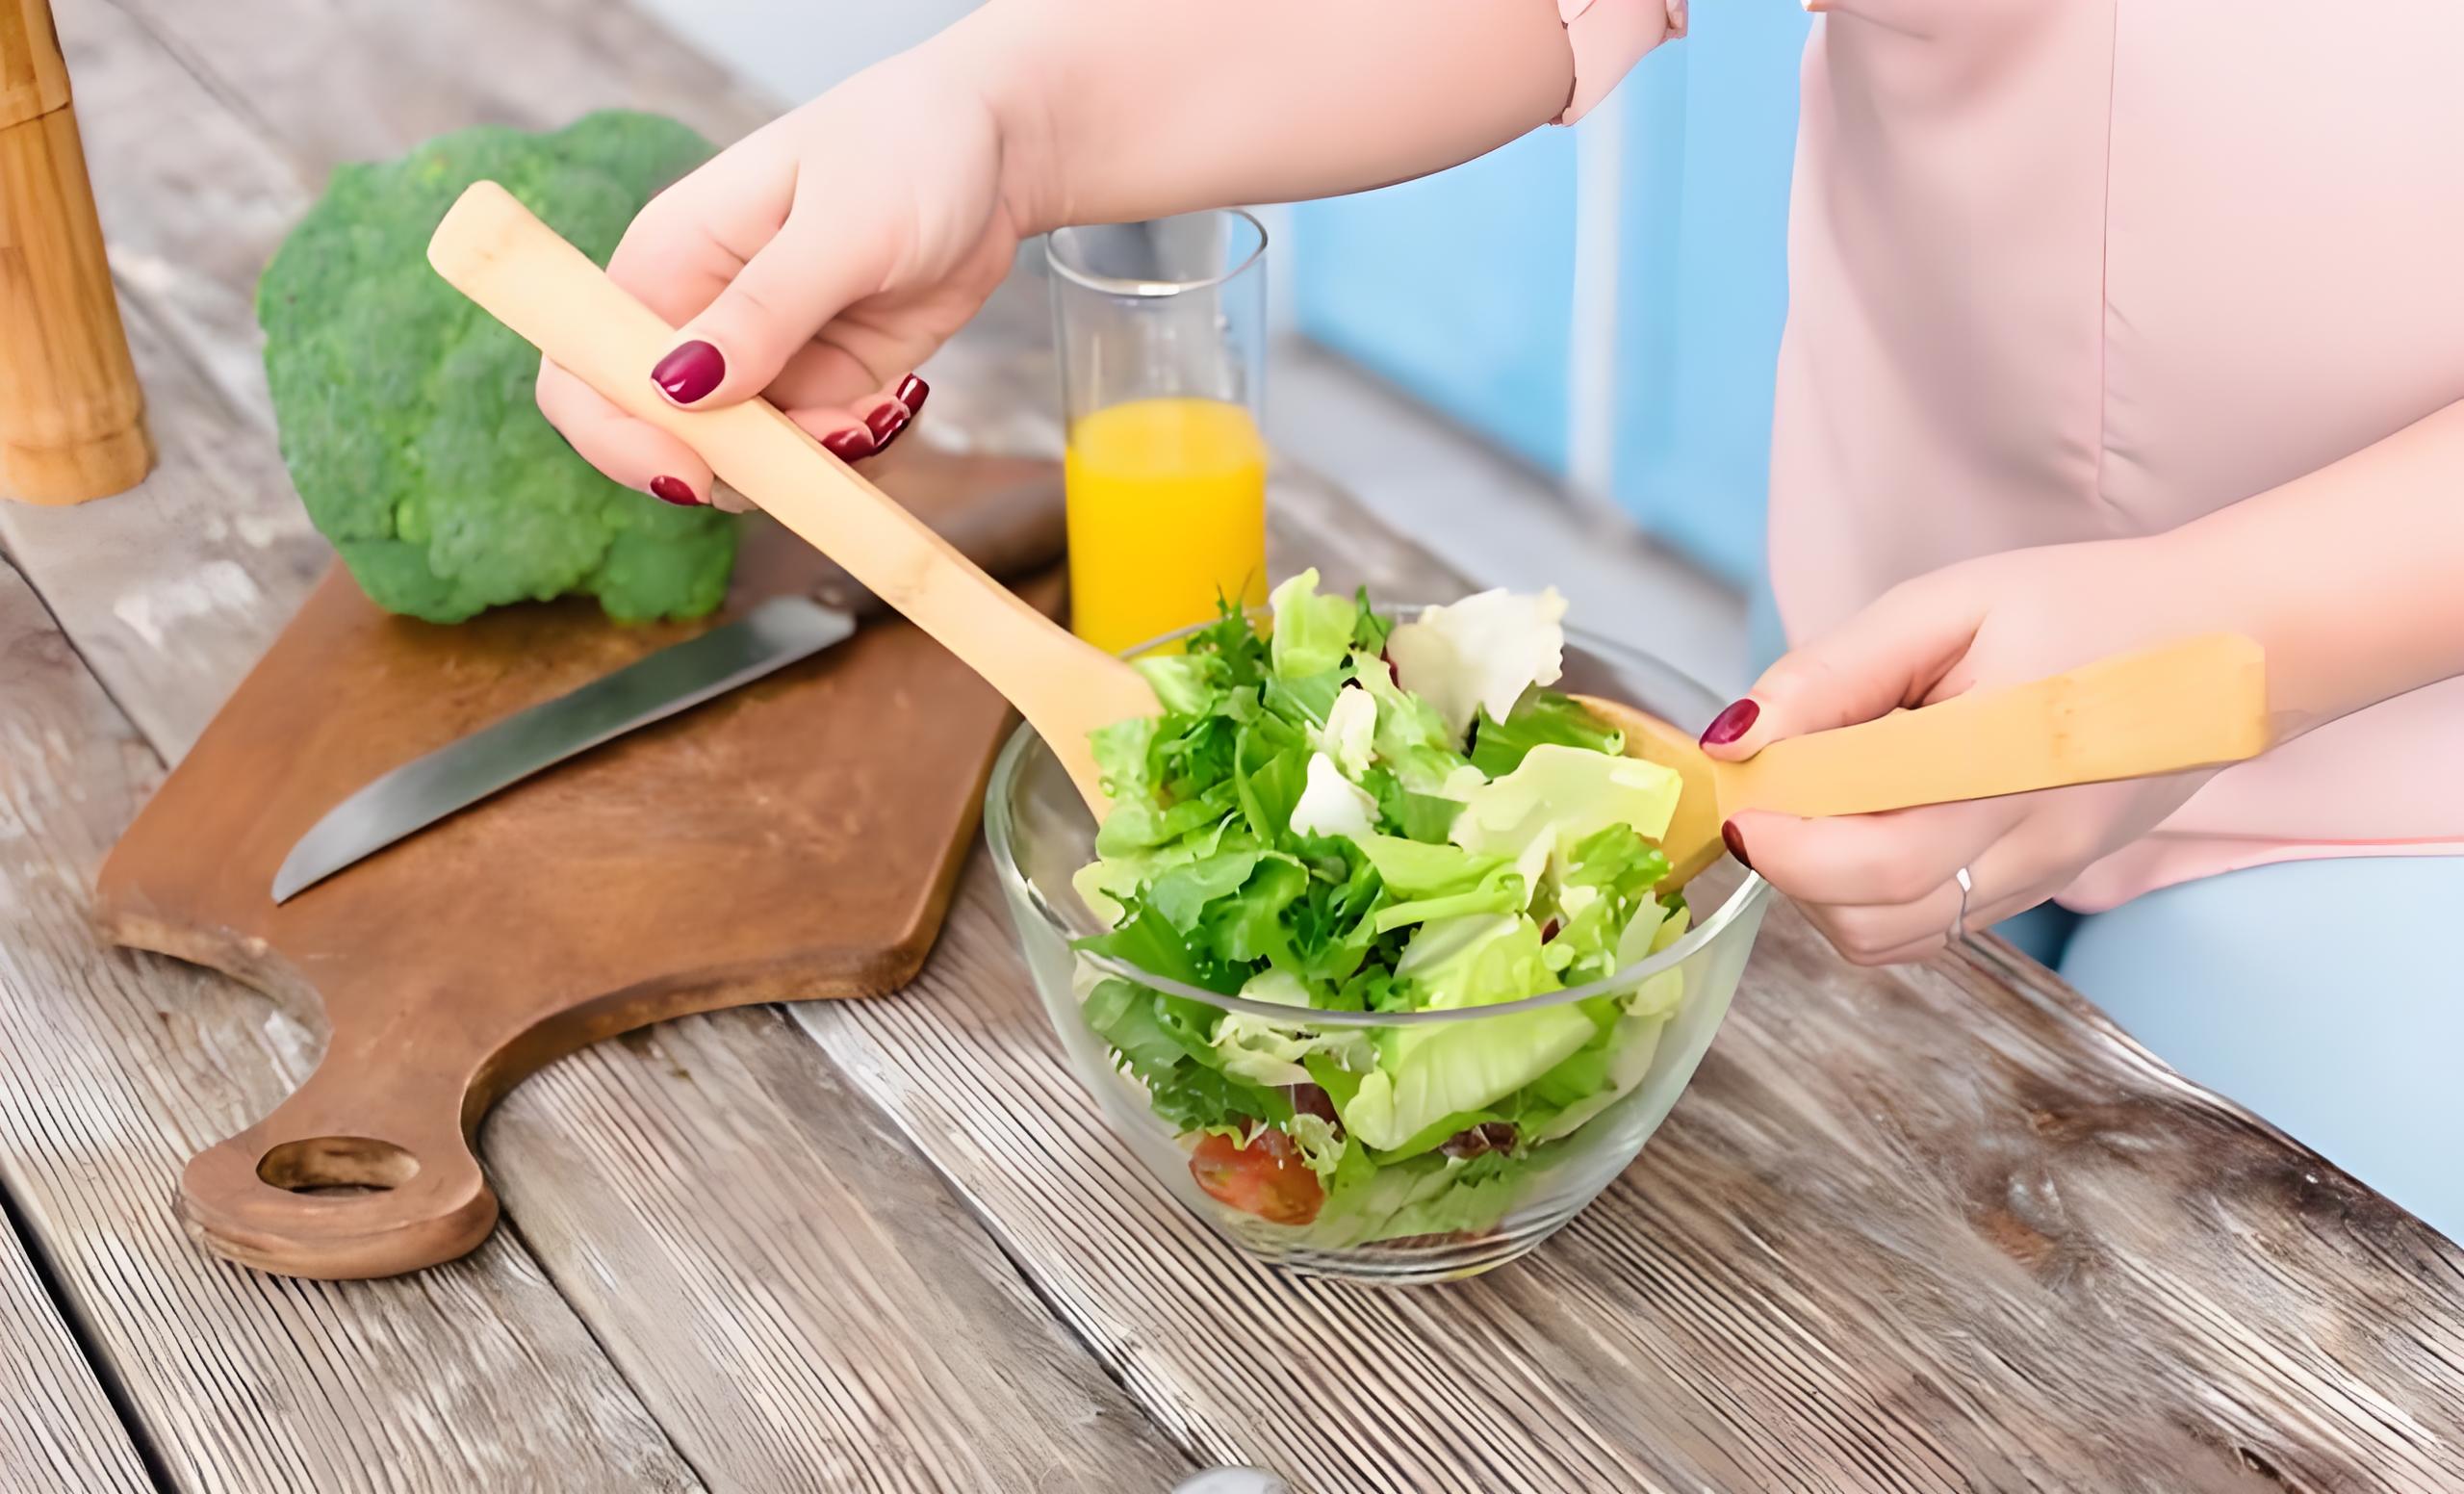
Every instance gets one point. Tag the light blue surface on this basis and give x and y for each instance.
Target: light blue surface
(2324, 996)
(1703, 279)
(1461, 288)
(1455, 287)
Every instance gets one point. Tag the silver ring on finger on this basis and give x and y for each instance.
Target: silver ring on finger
(1958, 920)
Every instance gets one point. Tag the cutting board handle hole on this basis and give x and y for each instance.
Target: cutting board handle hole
(338, 1165)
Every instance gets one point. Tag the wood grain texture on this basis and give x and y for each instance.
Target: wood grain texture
(832, 801)
(33, 77)
(72, 418)
(121, 1067)
(2193, 703)
(790, 1282)
(733, 1335)
(58, 1429)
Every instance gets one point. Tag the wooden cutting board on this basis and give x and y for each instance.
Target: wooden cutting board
(796, 838)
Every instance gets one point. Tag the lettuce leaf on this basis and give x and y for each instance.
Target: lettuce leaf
(1274, 1051)
(1565, 794)
(1426, 1074)
(1480, 654)
(1412, 741)
(1541, 716)
(1312, 633)
(1169, 1049)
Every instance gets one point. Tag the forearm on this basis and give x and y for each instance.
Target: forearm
(2352, 576)
(1116, 109)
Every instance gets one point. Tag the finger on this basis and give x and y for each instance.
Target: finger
(631, 452)
(793, 281)
(1982, 917)
(852, 434)
(826, 376)
(1870, 860)
(2007, 874)
(1887, 656)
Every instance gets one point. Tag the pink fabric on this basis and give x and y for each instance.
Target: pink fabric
(1608, 37)
(2065, 270)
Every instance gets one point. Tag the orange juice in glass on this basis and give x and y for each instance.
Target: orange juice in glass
(1161, 334)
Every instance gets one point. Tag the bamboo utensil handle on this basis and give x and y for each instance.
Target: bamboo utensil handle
(494, 251)
(72, 418)
(2194, 704)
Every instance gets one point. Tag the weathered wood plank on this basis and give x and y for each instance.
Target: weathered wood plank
(790, 1288)
(1909, 1231)
(58, 1429)
(738, 1207)
(119, 1068)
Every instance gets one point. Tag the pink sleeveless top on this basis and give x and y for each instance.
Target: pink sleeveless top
(2072, 270)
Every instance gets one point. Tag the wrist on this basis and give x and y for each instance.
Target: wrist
(2223, 585)
(1001, 56)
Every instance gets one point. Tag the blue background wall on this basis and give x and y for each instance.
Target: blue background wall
(1461, 288)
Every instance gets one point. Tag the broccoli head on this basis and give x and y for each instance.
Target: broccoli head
(406, 411)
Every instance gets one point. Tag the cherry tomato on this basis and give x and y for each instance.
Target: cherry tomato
(1267, 1178)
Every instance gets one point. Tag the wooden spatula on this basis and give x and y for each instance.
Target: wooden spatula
(521, 271)
(2194, 704)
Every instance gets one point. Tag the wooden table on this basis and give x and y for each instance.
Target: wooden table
(1932, 1230)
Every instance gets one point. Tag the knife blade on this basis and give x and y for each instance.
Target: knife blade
(1008, 533)
(454, 777)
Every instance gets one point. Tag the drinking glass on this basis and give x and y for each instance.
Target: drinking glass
(1161, 328)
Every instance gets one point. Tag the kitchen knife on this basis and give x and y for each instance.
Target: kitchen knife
(1008, 533)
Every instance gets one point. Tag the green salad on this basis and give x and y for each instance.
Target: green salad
(1348, 813)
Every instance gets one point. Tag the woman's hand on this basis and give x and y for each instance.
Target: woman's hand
(1881, 886)
(821, 258)
(818, 259)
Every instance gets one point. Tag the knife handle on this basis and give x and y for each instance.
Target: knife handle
(1011, 531)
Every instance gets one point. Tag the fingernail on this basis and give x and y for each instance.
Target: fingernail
(911, 394)
(887, 422)
(854, 444)
(1735, 843)
(693, 369)
(675, 490)
(1730, 724)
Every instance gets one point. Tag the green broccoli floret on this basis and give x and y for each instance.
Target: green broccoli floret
(406, 411)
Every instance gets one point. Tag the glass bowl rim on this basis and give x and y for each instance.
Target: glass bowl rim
(1127, 288)
(999, 834)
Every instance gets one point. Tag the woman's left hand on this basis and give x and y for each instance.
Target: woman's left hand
(1882, 887)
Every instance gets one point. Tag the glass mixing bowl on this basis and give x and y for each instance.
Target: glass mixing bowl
(1453, 1209)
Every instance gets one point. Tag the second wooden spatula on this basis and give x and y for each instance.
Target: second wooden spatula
(2198, 702)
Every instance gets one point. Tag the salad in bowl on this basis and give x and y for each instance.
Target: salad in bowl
(1375, 959)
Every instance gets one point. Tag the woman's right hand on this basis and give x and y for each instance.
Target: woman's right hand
(818, 259)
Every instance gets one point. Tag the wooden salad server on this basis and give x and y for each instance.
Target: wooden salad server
(2199, 702)
(520, 271)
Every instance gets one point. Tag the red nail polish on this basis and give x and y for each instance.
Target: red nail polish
(1730, 724)
(895, 431)
(852, 445)
(911, 394)
(673, 490)
(886, 421)
(1735, 843)
(690, 372)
